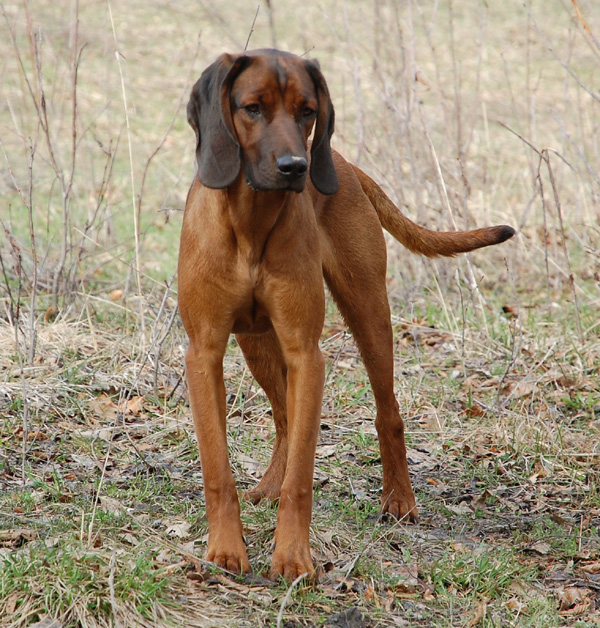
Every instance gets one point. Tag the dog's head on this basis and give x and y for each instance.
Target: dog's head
(256, 111)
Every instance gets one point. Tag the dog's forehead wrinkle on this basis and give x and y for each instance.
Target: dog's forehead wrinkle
(283, 83)
(280, 74)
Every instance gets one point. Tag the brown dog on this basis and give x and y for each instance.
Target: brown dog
(258, 237)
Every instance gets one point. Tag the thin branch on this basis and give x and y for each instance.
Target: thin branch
(67, 184)
(252, 28)
(136, 226)
(546, 157)
(565, 66)
(540, 182)
(286, 599)
(161, 143)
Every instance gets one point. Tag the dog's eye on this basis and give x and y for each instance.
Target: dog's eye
(253, 110)
(307, 112)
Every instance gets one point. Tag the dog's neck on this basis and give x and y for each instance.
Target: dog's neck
(253, 214)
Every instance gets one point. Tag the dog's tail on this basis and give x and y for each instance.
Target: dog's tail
(424, 241)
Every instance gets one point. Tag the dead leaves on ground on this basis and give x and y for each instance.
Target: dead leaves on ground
(574, 601)
(105, 409)
(16, 538)
(506, 488)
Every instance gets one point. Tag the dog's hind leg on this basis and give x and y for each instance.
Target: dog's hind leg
(356, 276)
(265, 361)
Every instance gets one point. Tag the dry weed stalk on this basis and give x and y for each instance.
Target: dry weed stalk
(544, 157)
(136, 223)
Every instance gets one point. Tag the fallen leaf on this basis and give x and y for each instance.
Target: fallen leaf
(112, 505)
(461, 509)
(417, 456)
(10, 603)
(105, 434)
(180, 530)
(388, 603)
(521, 389)
(86, 461)
(16, 537)
(326, 451)
(47, 622)
(249, 464)
(174, 567)
(480, 615)
(37, 435)
(164, 557)
(591, 567)
(573, 600)
(514, 605)
(474, 410)
(527, 591)
(479, 502)
(326, 536)
(371, 595)
(133, 406)
(103, 408)
(541, 547)
(558, 519)
(187, 548)
(408, 578)
(129, 538)
(427, 336)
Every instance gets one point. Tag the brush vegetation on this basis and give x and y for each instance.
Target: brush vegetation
(469, 114)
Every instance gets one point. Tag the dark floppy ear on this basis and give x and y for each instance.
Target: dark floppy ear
(209, 114)
(322, 170)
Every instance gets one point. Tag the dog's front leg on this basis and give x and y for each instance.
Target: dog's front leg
(204, 370)
(291, 557)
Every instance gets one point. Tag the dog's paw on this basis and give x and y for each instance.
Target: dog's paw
(402, 508)
(268, 488)
(291, 562)
(231, 559)
(260, 492)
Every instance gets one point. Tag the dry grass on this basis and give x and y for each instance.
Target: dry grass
(468, 115)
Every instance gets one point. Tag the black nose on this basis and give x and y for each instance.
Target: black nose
(292, 166)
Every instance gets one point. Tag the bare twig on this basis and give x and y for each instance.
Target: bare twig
(286, 599)
(252, 27)
(540, 182)
(546, 158)
(544, 155)
(111, 587)
(272, 23)
(472, 282)
(67, 182)
(184, 94)
(565, 65)
(136, 225)
(165, 328)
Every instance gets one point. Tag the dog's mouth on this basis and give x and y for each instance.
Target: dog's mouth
(296, 185)
(250, 184)
(266, 178)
